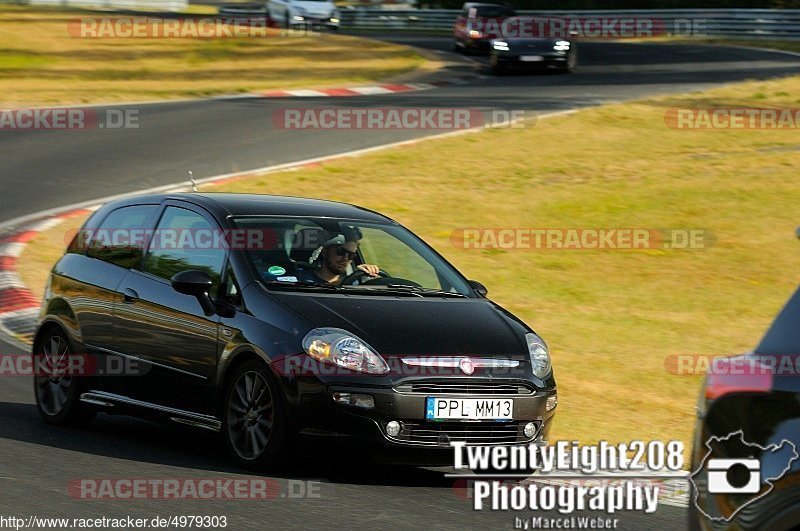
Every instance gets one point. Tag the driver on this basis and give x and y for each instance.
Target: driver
(333, 257)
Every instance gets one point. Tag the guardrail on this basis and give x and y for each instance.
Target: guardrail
(155, 5)
(753, 23)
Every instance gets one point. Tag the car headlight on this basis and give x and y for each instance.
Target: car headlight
(339, 347)
(500, 45)
(561, 46)
(540, 357)
(335, 16)
(475, 34)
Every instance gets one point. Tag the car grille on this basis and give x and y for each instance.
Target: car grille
(466, 388)
(473, 433)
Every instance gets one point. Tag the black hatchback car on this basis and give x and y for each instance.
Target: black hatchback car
(746, 448)
(266, 317)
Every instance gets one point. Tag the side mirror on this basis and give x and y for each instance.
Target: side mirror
(197, 284)
(479, 288)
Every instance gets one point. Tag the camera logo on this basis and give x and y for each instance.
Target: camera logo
(734, 476)
(723, 486)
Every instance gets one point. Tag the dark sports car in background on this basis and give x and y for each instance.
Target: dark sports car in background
(524, 53)
(746, 448)
(479, 23)
(216, 301)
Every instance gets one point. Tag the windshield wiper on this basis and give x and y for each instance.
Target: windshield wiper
(302, 284)
(380, 290)
(333, 288)
(393, 289)
(425, 292)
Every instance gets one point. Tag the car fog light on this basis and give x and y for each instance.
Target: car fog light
(393, 428)
(552, 402)
(530, 430)
(354, 399)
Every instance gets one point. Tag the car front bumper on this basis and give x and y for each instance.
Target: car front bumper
(514, 61)
(422, 441)
(314, 23)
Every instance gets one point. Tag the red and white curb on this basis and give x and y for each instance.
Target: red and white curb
(19, 308)
(368, 90)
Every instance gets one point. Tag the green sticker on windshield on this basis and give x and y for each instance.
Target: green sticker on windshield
(276, 270)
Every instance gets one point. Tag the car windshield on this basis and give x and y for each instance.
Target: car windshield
(290, 253)
(493, 12)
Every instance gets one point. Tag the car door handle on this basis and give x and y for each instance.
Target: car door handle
(129, 296)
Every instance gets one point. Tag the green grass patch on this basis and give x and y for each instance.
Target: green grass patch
(41, 63)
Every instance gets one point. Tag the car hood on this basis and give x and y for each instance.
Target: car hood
(411, 326)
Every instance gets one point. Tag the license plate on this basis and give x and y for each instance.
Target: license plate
(531, 58)
(469, 408)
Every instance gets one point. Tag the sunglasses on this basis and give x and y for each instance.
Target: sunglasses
(342, 251)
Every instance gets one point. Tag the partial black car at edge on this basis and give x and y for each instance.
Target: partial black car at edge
(746, 448)
(228, 334)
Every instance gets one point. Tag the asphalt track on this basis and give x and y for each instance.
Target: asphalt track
(46, 169)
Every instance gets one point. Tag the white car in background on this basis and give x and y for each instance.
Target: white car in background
(307, 13)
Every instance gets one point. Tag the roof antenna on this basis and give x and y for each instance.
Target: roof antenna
(191, 180)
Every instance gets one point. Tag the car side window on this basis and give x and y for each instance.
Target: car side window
(121, 237)
(184, 240)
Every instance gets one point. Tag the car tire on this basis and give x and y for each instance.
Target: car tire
(57, 396)
(254, 423)
(495, 66)
(572, 62)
